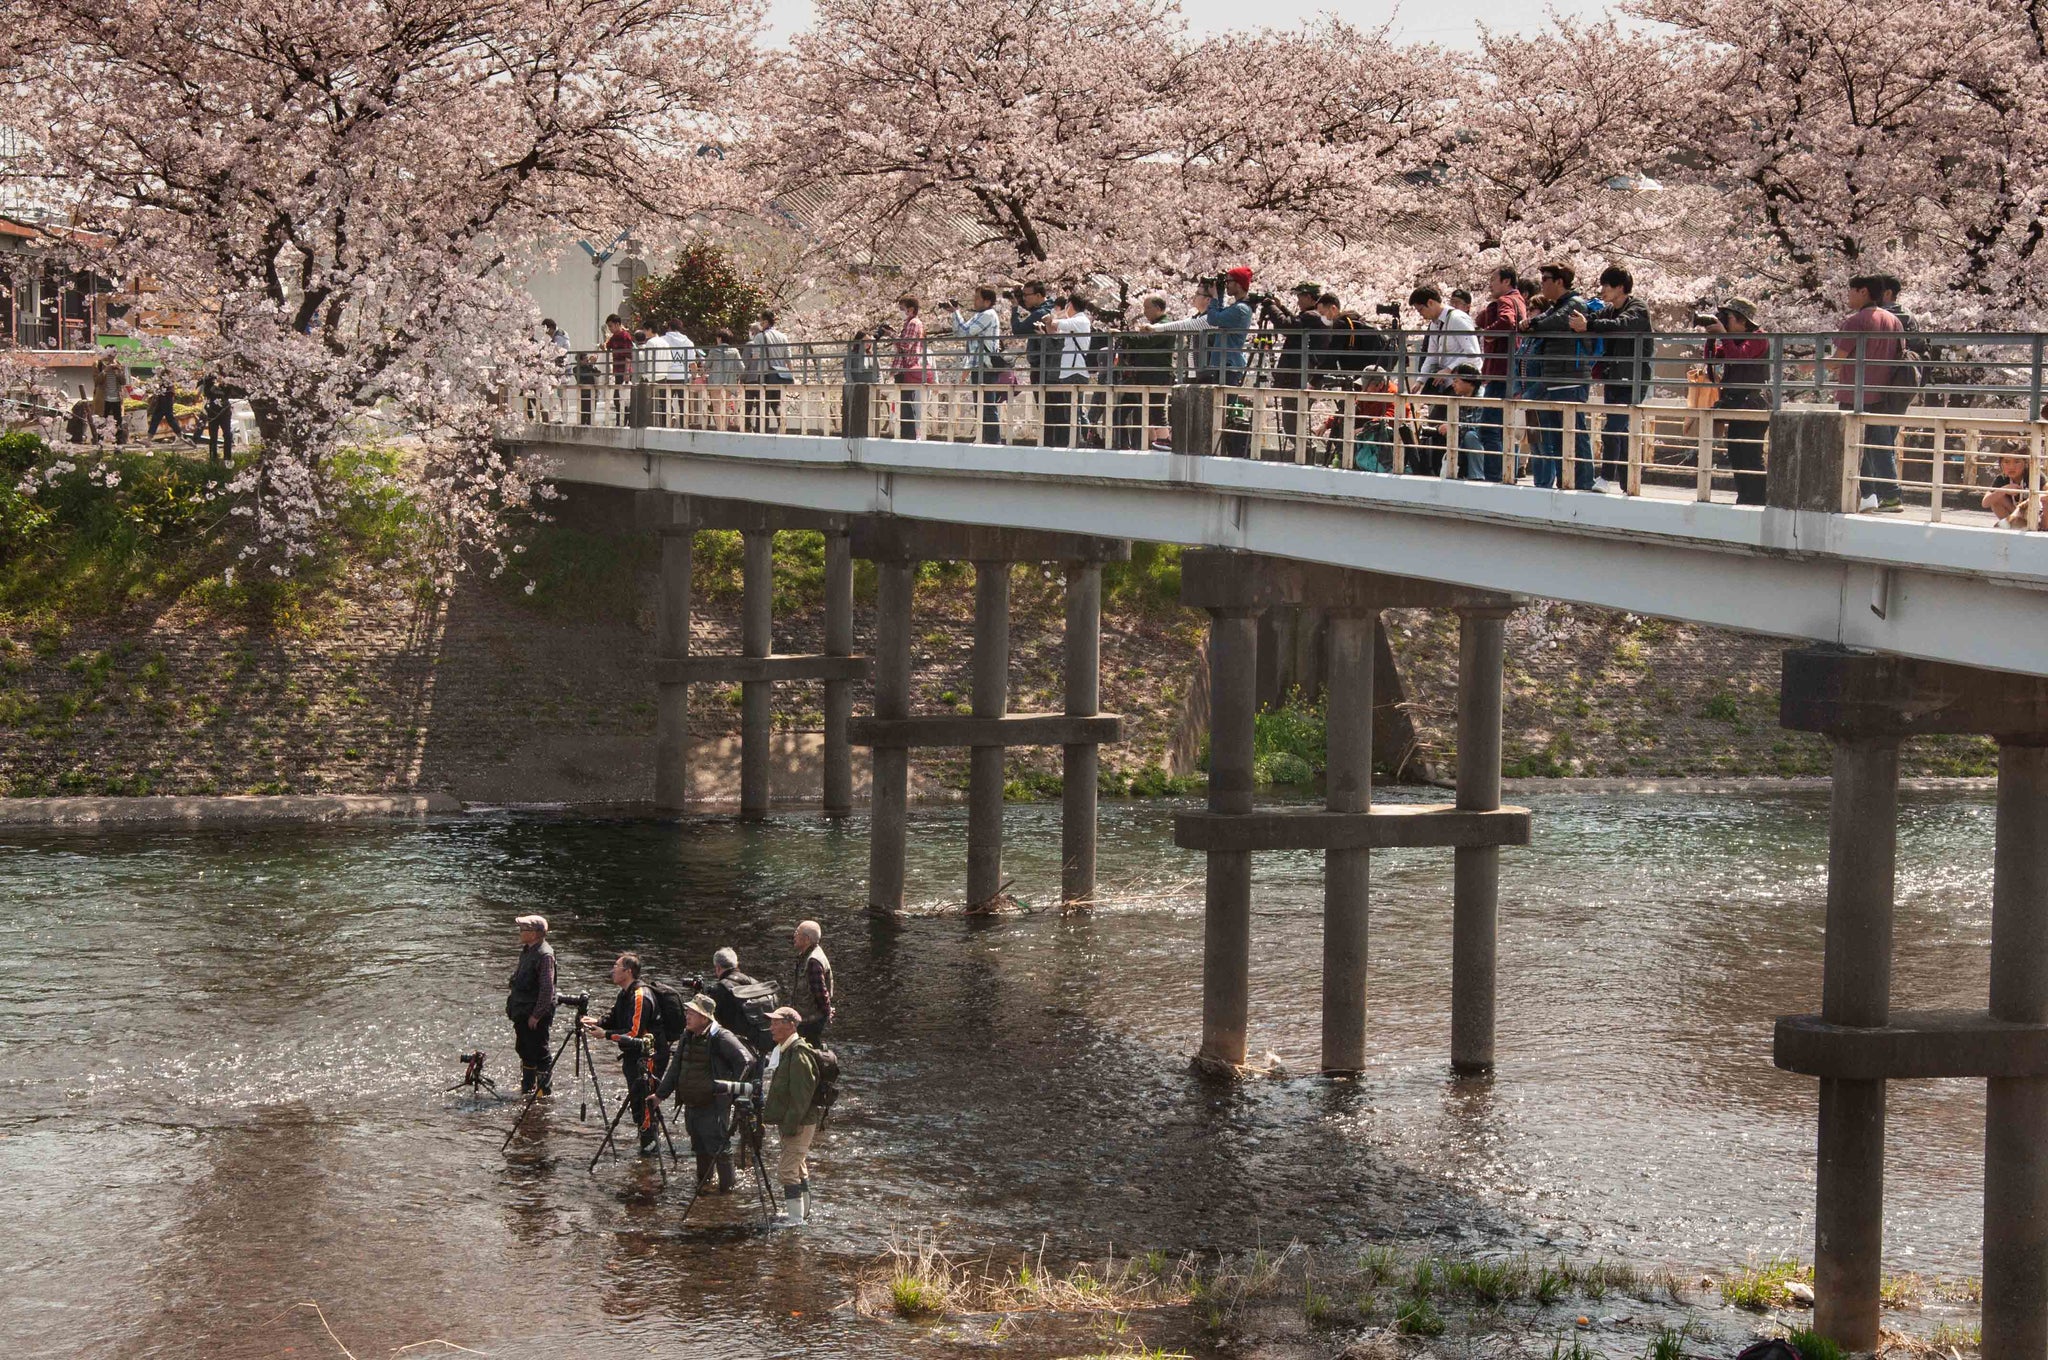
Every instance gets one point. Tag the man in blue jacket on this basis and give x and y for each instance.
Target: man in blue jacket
(1562, 369)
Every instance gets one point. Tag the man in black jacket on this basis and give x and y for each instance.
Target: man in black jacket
(1561, 367)
(1623, 326)
(1303, 332)
(530, 1004)
(1041, 351)
(707, 1054)
(731, 1012)
(636, 1016)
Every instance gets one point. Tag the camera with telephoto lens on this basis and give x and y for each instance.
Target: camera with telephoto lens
(578, 1003)
(1392, 309)
(475, 1059)
(748, 1091)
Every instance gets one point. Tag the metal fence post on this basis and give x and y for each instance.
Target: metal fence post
(2034, 381)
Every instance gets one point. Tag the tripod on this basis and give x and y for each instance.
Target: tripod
(583, 1063)
(473, 1077)
(651, 1103)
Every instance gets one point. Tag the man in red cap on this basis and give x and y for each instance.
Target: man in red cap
(1220, 355)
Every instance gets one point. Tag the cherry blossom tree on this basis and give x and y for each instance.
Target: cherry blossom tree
(340, 185)
(1911, 136)
(972, 137)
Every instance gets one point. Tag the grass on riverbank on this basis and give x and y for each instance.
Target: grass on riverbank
(1378, 1301)
(107, 531)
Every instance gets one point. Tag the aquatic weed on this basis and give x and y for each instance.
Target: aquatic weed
(1814, 1346)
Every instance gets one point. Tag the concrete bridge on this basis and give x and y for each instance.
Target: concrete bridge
(1901, 628)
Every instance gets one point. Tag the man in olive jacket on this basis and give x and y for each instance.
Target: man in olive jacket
(791, 1079)
(707, 1054)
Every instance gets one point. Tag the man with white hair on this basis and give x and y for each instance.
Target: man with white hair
(530, 1004)
(731, 990)
(811, 992)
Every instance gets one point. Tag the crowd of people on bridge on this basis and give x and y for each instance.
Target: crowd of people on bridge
(1348, 389)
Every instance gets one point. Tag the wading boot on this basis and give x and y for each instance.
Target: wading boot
(792, 1207)
(703, 1173)
(725, 1173)
(650, 1144)
(804, 1186)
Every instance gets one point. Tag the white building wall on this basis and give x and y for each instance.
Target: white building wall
(565, 286)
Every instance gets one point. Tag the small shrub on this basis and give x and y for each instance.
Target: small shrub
(1814, 1346)
(1759, 1288)
(1415, 1317)
(1723, 706)
(915, 1297)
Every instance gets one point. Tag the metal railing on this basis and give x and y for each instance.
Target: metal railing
(1671, 415)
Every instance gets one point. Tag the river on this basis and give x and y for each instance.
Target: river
(223, 1057)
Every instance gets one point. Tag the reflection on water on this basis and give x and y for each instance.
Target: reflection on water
(225, 1054)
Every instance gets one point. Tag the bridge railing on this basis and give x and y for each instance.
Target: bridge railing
(1684, 415)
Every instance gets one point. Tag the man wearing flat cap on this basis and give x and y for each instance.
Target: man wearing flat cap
(707, 1054)
(791, 1080)
(530, 1004)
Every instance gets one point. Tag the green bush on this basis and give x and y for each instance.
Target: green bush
(1290, 743)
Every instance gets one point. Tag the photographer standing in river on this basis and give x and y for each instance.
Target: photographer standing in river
(790, 1083)
(530, 1004)
(634, 1017)
(811, 993)
(707, 1054)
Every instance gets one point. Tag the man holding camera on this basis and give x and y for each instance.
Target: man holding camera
(1303, 333)
(530, 1004)
(790, 1081)
(707, 1054)
(634, 1025)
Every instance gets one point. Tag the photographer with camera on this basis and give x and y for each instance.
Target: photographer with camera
(789, 1083)
(1222, 307)
(530, 1005)
(1029, 308)
(1304, 334)
(708, 1054)
(1071, 321)
(983, 365)
(634, 1025)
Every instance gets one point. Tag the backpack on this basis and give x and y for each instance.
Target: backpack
(1773, 1349)
(826, 1093)
(756, 1000)
(668, 1004)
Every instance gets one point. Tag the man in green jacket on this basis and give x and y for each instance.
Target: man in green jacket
(790, 1080)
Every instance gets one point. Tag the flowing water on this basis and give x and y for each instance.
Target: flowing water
(223, 1057)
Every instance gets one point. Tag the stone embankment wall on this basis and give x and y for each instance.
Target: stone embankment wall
(493, 696)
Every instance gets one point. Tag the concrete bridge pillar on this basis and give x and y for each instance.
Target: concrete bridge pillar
(991, 699)
(889, 782)
(757, 623)
(757, 668)
(1227, 899)
(1235, 588)
(896, 545)
(1475, 890)
(1080, 764)
(1347, 871)
(2016, 1108)
(1855, 990)
(838, 797)
(672, 696)
(1867, 705)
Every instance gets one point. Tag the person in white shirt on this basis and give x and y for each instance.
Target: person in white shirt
(1450, 339)
(680, 363)
(1070, 319)
(766, 354)
(982, 362)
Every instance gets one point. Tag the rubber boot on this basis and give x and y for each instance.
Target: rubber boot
(703, 1173)
(725, 1173)
(792, 1206)
(805, 1186)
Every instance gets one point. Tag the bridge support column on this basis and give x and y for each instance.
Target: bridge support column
(1227, 898)
(1855, 990)
(757, 624)
(1867, 705)
(838, 791)
(1347, 871)
(1235, 588)
(889, 781)
(1080, 761)
(1475, 891)
(2016, 1108)
(991, 699)
(672, 697)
